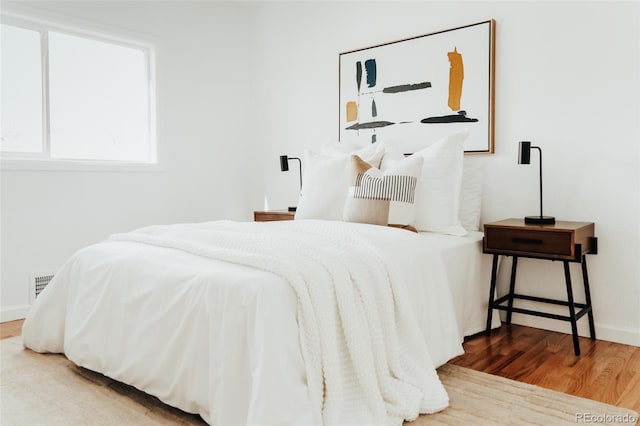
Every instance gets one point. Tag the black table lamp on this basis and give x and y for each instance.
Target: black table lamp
(524, 157)
(284, 166)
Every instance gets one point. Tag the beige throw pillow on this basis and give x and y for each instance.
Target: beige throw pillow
(382, 198)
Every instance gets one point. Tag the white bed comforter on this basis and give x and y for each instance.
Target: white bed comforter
(307, 322)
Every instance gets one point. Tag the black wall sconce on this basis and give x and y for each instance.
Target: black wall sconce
(284, 167)
(524, 157)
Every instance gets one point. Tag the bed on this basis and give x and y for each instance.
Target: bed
(302, 322)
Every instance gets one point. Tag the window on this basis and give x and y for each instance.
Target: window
(73, 96)
(22, 127)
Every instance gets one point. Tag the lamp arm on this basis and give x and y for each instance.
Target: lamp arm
(299, 169)
(540, 151)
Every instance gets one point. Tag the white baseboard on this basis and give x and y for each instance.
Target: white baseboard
(628, 336)
(610, 333)
(12, 313)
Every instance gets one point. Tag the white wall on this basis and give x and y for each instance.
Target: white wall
(201, 69)
(567, 78)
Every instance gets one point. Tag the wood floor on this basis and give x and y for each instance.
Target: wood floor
(606, 372)
(10, 329)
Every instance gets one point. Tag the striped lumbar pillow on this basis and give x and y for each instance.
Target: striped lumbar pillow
(383, 198)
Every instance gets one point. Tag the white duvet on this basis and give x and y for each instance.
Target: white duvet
(302, 322)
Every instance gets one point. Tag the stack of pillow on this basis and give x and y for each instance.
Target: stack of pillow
(431, 190)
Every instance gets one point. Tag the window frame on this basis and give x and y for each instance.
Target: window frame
(10, 160)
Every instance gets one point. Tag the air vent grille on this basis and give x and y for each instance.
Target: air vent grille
(38, 283)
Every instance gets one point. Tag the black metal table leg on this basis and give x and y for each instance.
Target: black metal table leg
(492, 292)
(512, 288)
(587, 295)
(572, 309)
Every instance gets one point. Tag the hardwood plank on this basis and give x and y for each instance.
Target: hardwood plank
(631, 395)
(10, 329)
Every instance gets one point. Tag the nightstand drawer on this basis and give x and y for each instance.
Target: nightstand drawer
(529, 241)
(562, 240)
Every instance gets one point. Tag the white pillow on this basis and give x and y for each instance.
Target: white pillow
(438, 192)
(325, 184)
(383, 198)
(471, 195)
(333, 148)
(392, 153)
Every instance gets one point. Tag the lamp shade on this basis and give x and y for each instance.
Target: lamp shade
(524, 153)
(284, 163)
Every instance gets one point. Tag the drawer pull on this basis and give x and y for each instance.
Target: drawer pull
(526, 241)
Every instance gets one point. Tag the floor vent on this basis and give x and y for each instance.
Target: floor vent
(38, 283)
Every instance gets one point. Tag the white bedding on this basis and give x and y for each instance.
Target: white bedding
(469, 275)
(222, 339)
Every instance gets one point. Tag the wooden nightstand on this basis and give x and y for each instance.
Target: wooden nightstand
(564, 241)
(271, 215)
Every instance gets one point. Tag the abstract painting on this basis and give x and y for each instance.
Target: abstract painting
(420, 89)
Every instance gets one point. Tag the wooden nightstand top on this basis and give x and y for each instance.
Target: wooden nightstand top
(563, 240)
(271, 215)
(519, 223)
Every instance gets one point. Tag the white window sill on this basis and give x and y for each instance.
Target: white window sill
(11, 165)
